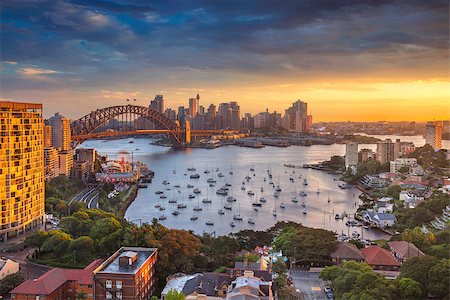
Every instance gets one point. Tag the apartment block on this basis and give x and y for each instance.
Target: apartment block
(128, 274)
(21, 167)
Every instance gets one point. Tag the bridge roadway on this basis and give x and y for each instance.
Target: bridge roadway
(145, 132)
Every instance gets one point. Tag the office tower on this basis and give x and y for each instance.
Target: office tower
(48, 136)
(433, 135)
(158, 104)
(21, 167)
(385, 151)
(51, 163)
(351, 154)
(211, 116)
(235, 115)
(181, 115)
(201, 110)
(128, 274)
(309, 120)
(193, 107)
(170, 114)
(60, 132)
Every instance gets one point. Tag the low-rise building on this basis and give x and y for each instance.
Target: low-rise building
(128, 274)
(208, 284)
(380, 259)
(410, 199)
(403, 250)
(58, 284)
(249, 286)
(374, 182)
(7, 267)
(383, 207)
(346, 251)
(381, 220)
(65, 162)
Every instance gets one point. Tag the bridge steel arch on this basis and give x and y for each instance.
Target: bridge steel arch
(90, 122)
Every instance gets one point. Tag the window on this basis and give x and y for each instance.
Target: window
(90, 296)
(90, 286)
(108, 295)
(119, 284)
(119, 295)
(108, 284)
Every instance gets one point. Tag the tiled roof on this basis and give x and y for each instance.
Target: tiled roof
(53, 279)
(377, 256)
(347, 251)
(405, 249)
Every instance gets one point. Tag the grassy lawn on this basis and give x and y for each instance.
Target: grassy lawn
(66, 261)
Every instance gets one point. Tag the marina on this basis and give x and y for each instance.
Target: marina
(229, 206)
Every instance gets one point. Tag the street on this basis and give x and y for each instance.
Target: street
(308, 283)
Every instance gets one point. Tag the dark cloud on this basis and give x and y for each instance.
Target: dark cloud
(100, 42)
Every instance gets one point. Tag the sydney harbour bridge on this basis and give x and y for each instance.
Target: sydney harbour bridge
(93, 125)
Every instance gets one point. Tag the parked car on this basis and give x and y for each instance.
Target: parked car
(328, 292)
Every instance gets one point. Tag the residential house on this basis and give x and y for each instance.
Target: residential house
(381, 220)
(403, 250)
(410, 199)
(346, 251)
(58, 284)
(249, 286)
(7, 267)
(202, 284)
(374, 182)
(380, 259)
(383, 207)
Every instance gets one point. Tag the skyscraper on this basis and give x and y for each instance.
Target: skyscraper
(51, 163)
(158, 104)
(60, 132)
(351, 154)
(48, 136)
(21, 167)
(193, 108)
(433, 134)
(385, 151)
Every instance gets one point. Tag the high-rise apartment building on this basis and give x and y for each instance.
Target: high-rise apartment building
(65, 159)
(128, 274)
(48, 136)
(61, 139)
(193, 108)
(385, 151)
(351, 154)
(295, 118)
(21, 167)
(433, 135)
(158, 104)
(51, 163)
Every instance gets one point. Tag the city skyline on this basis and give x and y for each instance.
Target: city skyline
(349, 60)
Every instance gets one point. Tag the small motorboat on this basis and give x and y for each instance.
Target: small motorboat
(194, 217)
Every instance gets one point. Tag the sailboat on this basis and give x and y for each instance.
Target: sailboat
(194, 217)
(182, 204)
(328, 198)
(274, 211)
(318, 187)
(238, 216)
(231, 170)
(198, 207)
(207, 200)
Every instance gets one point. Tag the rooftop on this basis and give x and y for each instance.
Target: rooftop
(377, 256)
(347, 251)
(405, 249)
(112, 264)
(55, 278)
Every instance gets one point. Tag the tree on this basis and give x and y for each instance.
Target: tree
(408, 289)
(104, 227)
(37, 239)
(83, 247)
(57, 243)
(174, 295)
(289, 293)
(438, 279)
(393, 191)
(11, 281)
(279, 267)
(418, 269)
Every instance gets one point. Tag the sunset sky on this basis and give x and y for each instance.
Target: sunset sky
(350, 60)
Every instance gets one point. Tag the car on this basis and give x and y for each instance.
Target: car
(327, 290)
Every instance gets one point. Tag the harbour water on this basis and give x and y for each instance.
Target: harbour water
(172, 166)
